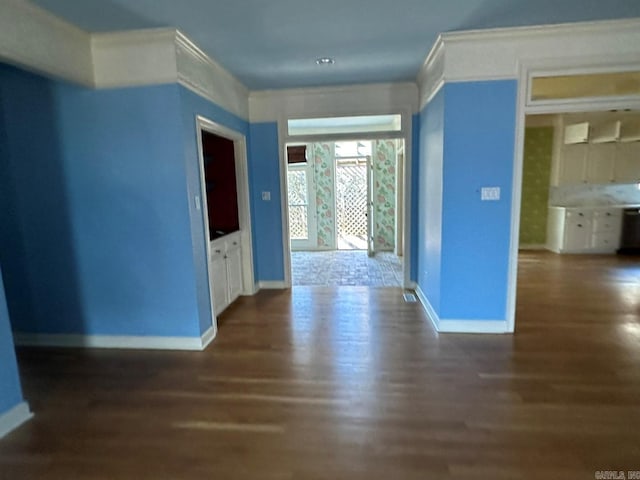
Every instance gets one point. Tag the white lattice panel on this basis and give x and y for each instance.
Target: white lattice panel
(351, 201)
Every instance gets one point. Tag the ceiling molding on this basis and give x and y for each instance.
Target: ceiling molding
(37, 40)
(351, 100)
(499, 53)
(134, 58)
(206, 77)
(33, 38)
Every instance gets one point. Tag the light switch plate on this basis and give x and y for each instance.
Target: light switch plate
(490, 193)
(266, 196)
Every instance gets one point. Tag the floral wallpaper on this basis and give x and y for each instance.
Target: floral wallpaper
(384, 194)
(536, 173)
(323, 166)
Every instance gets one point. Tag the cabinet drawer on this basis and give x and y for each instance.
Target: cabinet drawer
(578, 214)
(607, 225)
(605, 242)
(607, 213)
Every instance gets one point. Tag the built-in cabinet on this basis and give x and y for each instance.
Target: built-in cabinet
(596, 152)
(226, 270)
(584, 229)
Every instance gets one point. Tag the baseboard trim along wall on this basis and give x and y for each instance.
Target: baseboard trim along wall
(15, 417)
(459, 326)
(272, 285)
(116, 341)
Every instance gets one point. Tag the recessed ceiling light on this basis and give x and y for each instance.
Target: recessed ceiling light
(325, 61)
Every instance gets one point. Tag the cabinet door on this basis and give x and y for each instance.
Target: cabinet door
(627, 166)
(219, 283)
(600, 163)
(234, 273)
(573, 164)
(577, 235)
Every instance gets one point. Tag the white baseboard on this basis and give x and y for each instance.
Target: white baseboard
(473, 326)
(428, 308)
(115, 341)
(532, 246)
(460, 326)
(15, 417)
(273, 285)
(208, 336)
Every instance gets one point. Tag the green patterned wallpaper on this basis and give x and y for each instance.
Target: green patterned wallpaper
(323, 161)
(384, 194)
(536, 173)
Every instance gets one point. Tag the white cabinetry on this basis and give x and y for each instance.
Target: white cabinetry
(600, 163)
(225, 269)
(598, 152)
(583, 230)
(627, 164)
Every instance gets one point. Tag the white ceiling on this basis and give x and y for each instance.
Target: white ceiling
(274, 43)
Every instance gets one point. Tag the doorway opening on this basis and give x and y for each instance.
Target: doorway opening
(343, 199)
(580, 173)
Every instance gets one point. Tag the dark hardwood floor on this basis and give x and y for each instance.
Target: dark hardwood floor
(353, 383)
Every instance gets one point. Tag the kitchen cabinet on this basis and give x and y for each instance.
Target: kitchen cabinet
(584, 230)
(630, 131)
(225, 269)
(573, 165)
(576, 133)
(627, 163)
(607, 132)
(600, 163)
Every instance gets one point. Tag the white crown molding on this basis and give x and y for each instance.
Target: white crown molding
(115, 341)
(37, 40)
(499, 53)
(370, 99)
(14, 417)
(206, 77)
(134, 58)
(460, 326)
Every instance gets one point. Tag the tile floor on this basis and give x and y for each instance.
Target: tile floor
(346, 267)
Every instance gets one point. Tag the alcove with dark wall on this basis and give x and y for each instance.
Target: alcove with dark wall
(220, 179)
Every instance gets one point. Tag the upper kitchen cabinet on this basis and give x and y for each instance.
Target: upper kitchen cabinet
(627, 163)
(576, 133)
(601, 160)
(572, 165)
(596, 148)
(630, 131)
(606, 132)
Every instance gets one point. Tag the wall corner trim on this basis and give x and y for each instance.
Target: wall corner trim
(208, 336)
(115, 341)
(14, 417)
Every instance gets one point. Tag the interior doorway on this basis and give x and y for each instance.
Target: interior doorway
(342, 203)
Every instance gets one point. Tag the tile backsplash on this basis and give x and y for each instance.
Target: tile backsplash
(594, 195)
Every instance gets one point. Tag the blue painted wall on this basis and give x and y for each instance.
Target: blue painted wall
(99, 210)
(10, 391)
(192, 105)
(467, 135)
(264, 169)
(479, 147)
(430, 199)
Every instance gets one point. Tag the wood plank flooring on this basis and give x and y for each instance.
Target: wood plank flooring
(353, 383)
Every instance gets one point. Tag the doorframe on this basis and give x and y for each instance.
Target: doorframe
(405, 133)
(312, 224)
(203, 124)
(527, 71)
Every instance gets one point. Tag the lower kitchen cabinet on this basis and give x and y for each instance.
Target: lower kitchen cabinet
(584, 230)
(225, 271)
